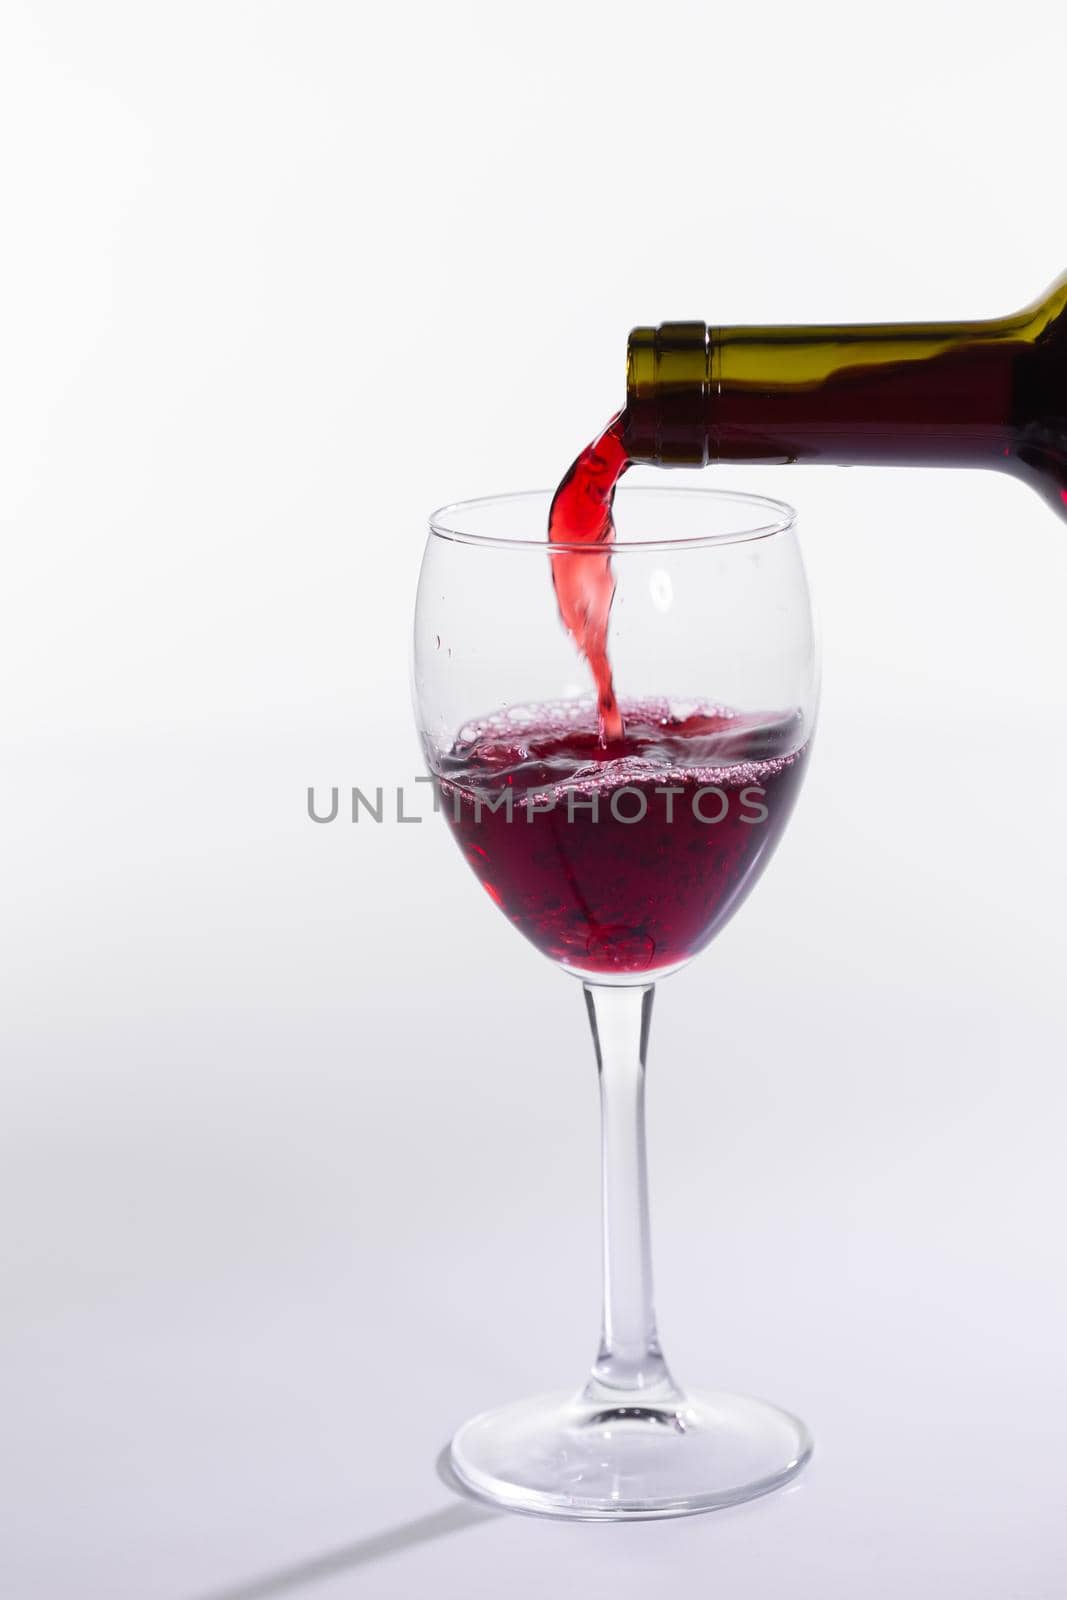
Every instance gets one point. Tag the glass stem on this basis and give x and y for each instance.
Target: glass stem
(629, 1357)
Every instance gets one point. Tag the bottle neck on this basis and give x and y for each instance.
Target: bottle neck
(874, 394)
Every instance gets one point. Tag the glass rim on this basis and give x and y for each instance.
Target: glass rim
(779, 517)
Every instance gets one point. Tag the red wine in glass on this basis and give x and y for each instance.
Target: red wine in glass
(619, 851)
(624, 858)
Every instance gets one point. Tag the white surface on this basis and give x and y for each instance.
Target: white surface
(299, 1141)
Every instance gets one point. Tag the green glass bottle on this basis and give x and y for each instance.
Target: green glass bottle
(973, 394)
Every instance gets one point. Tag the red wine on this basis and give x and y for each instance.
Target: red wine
(585, 583)
(626, 858)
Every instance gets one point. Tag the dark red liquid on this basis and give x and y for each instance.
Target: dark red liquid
(585, 584)
(591, 889)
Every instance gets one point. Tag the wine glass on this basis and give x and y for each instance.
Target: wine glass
(620, 861)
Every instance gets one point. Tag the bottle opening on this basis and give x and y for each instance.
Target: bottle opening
(667, 390)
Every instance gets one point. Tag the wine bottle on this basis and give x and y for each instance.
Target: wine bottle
(970, 394)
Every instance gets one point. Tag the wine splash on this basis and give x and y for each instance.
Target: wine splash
(584, 582)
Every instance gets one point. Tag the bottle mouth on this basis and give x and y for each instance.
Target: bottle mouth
(668, 383)
(659, 517)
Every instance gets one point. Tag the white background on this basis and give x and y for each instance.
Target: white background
(299, 1140)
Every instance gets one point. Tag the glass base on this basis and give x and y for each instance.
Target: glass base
(591, 1456)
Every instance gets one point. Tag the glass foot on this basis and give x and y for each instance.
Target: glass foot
(589, 1456)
